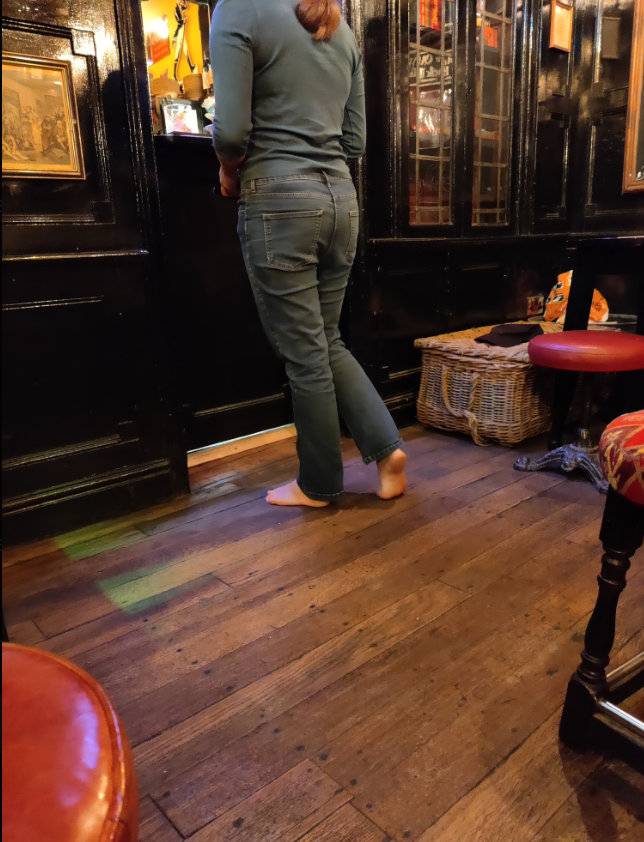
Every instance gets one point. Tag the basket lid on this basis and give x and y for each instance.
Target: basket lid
(463, 343)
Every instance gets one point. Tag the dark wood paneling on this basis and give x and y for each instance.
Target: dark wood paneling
(552, 123)
(89, 427)
(231, 382)
(605, 112)
(477, 289)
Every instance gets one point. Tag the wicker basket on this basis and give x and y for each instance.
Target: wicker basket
(492, 393)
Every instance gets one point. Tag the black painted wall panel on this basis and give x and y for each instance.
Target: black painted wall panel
(89, 421)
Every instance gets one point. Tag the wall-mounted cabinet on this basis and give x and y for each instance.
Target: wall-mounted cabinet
(456, 140)
(434, 60)
(491, 131)
(577, 122)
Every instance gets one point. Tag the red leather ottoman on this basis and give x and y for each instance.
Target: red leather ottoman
(67, 771)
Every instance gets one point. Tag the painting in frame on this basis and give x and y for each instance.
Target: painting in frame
(40, 137)
(633, 180)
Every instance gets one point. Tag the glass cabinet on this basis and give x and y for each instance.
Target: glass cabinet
(458, 143)
(493, 97)
(431, 111)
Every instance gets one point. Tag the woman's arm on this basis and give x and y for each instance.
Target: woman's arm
(231, 53)
(354, 125)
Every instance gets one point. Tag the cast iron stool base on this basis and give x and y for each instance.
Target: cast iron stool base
(568, 457)
(581, 454)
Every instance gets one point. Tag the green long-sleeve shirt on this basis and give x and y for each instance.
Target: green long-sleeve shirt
(289, 104)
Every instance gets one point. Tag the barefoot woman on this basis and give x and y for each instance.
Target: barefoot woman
(289, 113)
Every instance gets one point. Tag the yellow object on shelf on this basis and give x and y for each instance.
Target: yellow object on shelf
(152, 10)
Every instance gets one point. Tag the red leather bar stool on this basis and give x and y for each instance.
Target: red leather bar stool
(593, 695)
(67, 772)
(586, 351)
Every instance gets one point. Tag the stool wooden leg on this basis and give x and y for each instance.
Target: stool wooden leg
(621, 535)
(564, 390)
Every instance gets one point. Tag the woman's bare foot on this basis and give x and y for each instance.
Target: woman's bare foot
(393, 481)
(292, 495)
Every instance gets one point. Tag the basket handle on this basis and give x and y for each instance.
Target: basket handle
(466, 413)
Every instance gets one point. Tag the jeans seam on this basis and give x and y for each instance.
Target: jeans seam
(351, 230)
(321, 497)
(382, 454)
(286, 195)
(277, 179)
(335, 213)
(257, 288)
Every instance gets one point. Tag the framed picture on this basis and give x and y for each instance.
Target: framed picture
(561, 15)
(181, 116)
(633, 180)
(40, 137)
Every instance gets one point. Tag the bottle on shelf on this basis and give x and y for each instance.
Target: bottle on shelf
(207, 77)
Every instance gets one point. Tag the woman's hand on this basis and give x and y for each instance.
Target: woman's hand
(229, 177)
(229, 180)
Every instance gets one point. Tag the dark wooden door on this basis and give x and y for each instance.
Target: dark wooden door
(89, 428)
(229, 380)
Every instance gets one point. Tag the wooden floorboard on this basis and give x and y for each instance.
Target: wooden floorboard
(368, 672)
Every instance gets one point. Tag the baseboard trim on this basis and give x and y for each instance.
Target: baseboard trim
(230, 448)
(83, 488)
(55, 511)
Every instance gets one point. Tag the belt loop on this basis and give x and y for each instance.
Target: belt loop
(252, 185)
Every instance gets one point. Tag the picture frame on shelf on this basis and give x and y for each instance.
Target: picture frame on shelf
(180, 116)
(40, 135)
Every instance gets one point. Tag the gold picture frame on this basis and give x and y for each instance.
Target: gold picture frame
(633, 179)
(40, 136)
(561, 17)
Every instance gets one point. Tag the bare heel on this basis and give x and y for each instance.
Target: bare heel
(393, 481)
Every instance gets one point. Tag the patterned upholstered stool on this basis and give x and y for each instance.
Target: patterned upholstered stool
(67, 773)
(592, 693)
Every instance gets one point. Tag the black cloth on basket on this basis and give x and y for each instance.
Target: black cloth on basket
(505, 336)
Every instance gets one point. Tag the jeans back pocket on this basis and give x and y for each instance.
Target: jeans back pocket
(292, 238)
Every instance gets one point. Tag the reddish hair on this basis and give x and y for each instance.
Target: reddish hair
(319, 17)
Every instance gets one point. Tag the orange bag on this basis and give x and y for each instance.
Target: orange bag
(558, 301)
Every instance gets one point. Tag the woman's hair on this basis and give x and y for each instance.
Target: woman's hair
(319, 17)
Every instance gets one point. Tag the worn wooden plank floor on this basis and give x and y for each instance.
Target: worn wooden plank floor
(360, 673)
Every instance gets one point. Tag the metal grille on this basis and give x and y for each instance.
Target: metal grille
(431, 37)
(495, 22)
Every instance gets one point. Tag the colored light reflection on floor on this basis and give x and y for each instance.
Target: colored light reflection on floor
(137, 590)
(85, 543)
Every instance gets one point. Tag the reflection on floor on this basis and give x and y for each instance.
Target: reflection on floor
(353, 674)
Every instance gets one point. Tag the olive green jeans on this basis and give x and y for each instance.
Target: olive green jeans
(299, 236)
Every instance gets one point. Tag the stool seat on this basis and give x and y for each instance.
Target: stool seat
(588, 350)
(621, 455)
(67, 771)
